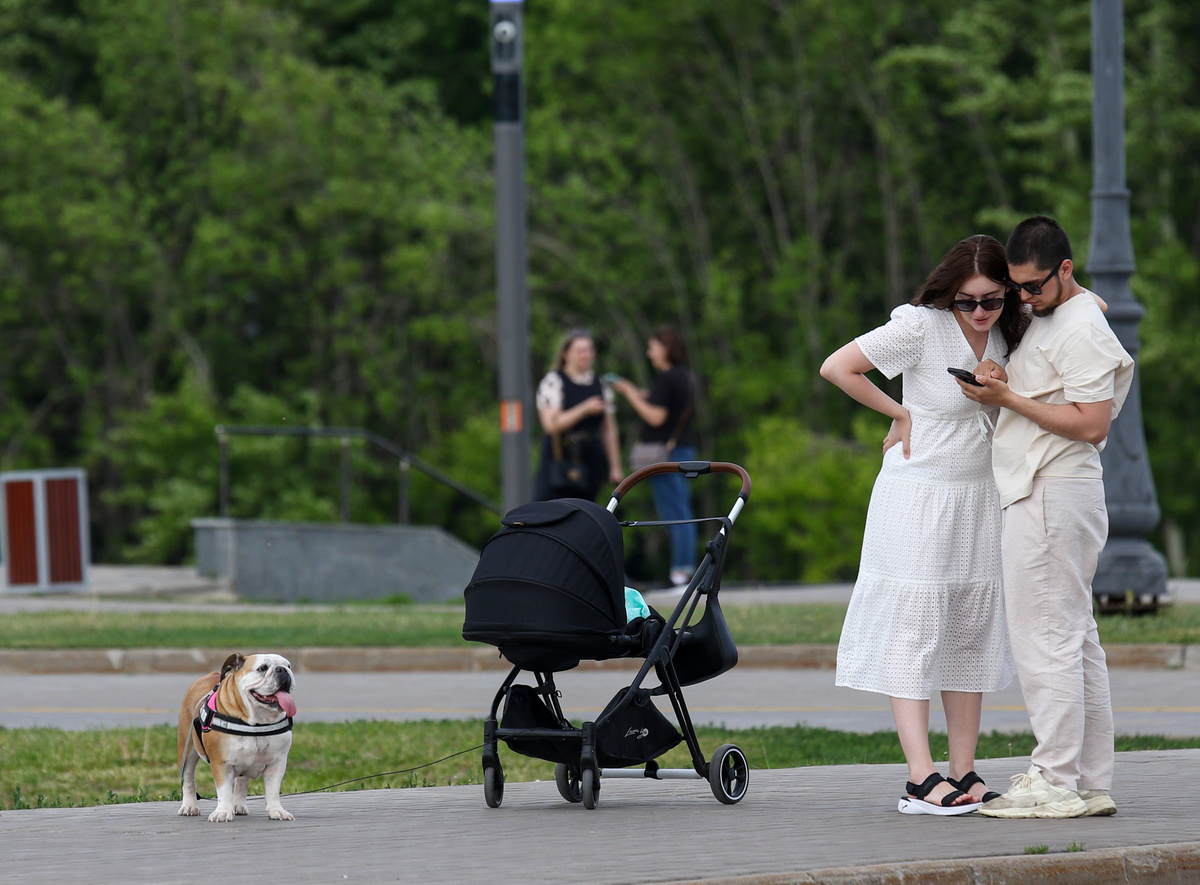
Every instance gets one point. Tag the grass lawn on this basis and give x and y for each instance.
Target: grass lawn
(440, 625)
(51, 768)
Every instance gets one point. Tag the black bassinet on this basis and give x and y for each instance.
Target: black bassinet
(549, 589)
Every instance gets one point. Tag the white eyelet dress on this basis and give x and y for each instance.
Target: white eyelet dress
(927, 613)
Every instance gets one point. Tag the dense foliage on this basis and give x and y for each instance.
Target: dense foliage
(280, 212)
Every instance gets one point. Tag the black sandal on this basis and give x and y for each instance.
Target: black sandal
(969, 780)
(915, 803)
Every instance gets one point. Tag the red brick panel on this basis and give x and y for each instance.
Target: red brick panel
(20, 545)
(62, 527)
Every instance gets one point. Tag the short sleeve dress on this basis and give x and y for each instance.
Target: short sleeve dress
(927, 612)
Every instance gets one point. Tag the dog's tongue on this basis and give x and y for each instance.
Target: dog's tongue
(285, 702)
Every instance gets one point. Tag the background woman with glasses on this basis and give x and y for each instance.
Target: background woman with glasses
(927, 613)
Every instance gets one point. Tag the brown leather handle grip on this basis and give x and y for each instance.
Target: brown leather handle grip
(695, 468)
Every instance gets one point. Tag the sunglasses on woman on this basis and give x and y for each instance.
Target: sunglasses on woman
(968, 305)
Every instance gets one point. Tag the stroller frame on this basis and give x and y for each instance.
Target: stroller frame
(711, 652)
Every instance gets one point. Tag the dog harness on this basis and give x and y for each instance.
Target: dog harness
(208, 719)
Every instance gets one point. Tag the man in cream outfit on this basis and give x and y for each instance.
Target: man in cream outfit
(1066, 382)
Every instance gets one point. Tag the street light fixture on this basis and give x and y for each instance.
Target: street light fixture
(1130, 572)
(512, 298)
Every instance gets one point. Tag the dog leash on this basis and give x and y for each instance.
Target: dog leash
(355, 780)
(367, 777)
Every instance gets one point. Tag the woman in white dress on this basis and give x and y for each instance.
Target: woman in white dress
(927, 613)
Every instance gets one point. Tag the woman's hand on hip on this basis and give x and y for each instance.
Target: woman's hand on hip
(899, 433)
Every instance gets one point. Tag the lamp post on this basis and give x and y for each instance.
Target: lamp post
(512, 299)
(1129, 569)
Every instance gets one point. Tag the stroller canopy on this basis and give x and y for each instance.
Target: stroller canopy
(553, 578)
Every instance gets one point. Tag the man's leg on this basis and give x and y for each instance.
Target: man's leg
(1048, 654)
(1049, 561)
(1096, 762)
(1085, 500)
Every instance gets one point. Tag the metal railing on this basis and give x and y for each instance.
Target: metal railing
(407, 463)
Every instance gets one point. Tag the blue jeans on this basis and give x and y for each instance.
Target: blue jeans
(673, 500)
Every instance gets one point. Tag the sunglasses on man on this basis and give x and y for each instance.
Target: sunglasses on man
(1036, 288)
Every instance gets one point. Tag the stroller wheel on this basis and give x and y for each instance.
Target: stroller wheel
(568, 781)
(729, 774)
(589, 788)
(493, 786)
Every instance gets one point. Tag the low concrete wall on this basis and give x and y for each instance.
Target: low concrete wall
(332, 562)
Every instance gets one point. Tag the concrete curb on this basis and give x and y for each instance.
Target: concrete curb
(471, 659)
(1172, 864)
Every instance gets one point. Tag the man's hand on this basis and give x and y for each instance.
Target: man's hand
(994, 392)
(991, 369)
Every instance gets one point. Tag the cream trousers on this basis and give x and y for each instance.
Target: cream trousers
(1050, 544)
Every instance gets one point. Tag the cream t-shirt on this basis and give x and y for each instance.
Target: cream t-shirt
(1071, 356)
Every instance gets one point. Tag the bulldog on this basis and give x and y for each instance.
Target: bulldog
(240, 722)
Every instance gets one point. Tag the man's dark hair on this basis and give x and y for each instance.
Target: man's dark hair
(1039, 241)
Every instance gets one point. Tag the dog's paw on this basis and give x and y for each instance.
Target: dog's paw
(189, 810)
(220, 816)
(279, 814)
(240, 809)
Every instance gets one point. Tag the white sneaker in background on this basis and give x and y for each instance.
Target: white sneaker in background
(1031, 795)
(680, 576)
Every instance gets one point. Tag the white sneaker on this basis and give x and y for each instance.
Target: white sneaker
(1099, 803)
(1031, 795)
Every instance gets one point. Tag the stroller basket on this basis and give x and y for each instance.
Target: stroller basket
(639, 733)
(549, 592)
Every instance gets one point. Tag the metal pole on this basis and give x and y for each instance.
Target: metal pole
(512, 307)
(345, 479)
(405, 475)
(1129, 567)
(223, 471)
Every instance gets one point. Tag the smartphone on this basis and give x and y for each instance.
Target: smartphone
(611, 377)
(964, 375)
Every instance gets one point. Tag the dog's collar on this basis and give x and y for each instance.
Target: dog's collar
(208, 719)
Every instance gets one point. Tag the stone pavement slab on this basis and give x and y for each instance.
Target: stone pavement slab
(827, 824)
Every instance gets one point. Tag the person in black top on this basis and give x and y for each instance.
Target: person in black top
(580, 448)
(666, 412)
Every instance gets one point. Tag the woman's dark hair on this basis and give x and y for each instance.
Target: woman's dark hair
(978, 254)
(677, 353)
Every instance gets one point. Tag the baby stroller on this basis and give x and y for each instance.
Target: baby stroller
(548, 592)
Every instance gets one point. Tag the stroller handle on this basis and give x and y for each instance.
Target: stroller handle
(688, 468)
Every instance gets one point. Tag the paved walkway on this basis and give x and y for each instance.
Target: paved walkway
(834, 824)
